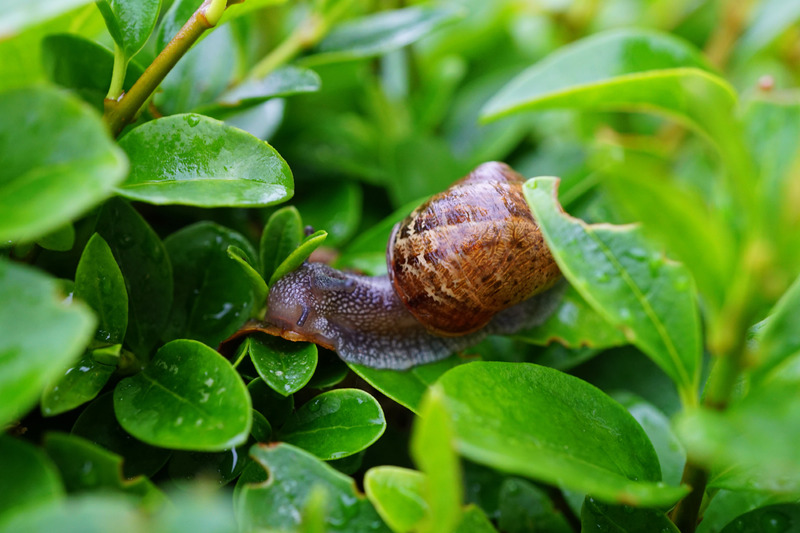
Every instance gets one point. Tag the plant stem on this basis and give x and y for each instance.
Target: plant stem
(684, 515)
(119, 112)
(308, 33)
(118, 74)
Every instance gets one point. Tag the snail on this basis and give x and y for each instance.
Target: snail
(470, 261)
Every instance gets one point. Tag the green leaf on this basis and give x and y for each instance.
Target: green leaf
(83, 66)
(525, 507)
(779, 339)
(85, 466)
(60, 240)
(396, 494)
(283, 365)
(772, 518)
(599, 516)
(629, 282)
(29, 302)
(727, 505)
(98, 424)
(286, 81)
(772, 19)
(574, 324)
(293, 474)
(275, 407)
(189, 398)
(16, 16)
(299, 255)
(90, 513)
(331, 371)
(756, 434)
(145, 265)
(99, 283)
(406, 388)
(130, 22)
(195, 160)
(335, 207)
(554, 428)
(29, 477)
(379, 33)
(62, 163)
(677, 217)
(474, 520)
(433, 451)
(335, 424)
(282, 234)
(258, 286)
(262, 429)
(79, 384)
(213, 296)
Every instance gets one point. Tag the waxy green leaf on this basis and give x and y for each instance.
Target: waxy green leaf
(30, 301)
(406, 388)
(275, 407)
(217, 467)
(61, 164)
(99, 283)
(599, 516)
(60, 240)
(195, 160)
(188, 397)
(79, 384)
(396, 494)
(83, 66)
(627, 281)
(85, 466)
(283, 365)
(299, 255)
(258, 286)
(561, 431)
(779, 339)
(379, 33)
(285, 81)
(335, 424)
(213, 296)
(130, 22)
(780, 517)
(29, 477)
(293, 474)
(98, 424)
(524, 506)
(145, 265)
(282, 233)
(335, 207)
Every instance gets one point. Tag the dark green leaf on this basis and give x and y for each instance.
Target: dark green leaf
(574, 324)
(770, 519)
(218, 467)
(335, 424)
(130, 22)
(433, 443)
(779, 338)
(629, 282)
(262, 429)
(282, 234)
(554, 428)
(98, 424)
(598, 516)
(406, 388)
(79, 384)
(474, 520)
(85, 466)
(283, 365)
(83, 66)
(30, 301)
(195, 160)
(189, 397)
(299, 255)
(335, 207)
(331, 371)
(60, 240)
(275, 407)
(293, 474)
(258, 287)
(285, 81)
(380, 33)
(145, 265)
(29, 477)
(396, 494)
(525, 507)
(62, 163)
(99, 283)
(727, 505)
(213, 296)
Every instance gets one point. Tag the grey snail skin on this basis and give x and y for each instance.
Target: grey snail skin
(467, 263)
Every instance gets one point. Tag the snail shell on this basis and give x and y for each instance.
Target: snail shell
(469, 252)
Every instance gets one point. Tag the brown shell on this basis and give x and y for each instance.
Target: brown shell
(469, 252)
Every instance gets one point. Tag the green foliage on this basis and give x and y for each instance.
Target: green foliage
(163, 164)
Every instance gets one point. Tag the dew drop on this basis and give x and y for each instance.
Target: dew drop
(192, 120)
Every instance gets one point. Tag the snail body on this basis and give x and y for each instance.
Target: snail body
(468, 262)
